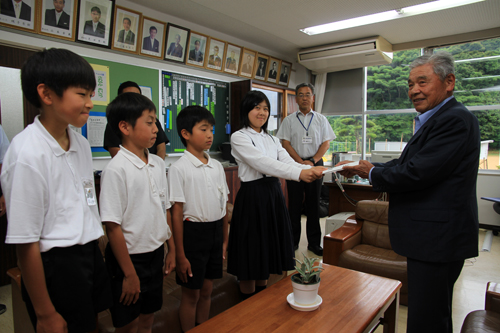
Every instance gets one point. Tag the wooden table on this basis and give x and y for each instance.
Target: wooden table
(338, 203)
(352, 302)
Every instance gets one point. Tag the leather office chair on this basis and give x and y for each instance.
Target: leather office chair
(487, 320)
(363, 244)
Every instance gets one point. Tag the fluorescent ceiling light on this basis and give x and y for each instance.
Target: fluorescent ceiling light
(429, 7)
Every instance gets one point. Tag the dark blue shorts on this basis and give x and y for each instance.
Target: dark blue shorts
(149, 269)
(203, 249)
(78, 285)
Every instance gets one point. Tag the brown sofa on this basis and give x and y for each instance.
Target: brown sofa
(225, 294)
(487, 320)
(363, 244)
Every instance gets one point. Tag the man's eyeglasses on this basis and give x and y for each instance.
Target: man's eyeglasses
(304, 96)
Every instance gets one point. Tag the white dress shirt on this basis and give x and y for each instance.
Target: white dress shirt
(267, 156)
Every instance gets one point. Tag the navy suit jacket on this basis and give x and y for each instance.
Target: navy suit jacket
(432, 187)
(7, 8)
(146, 44)
(50, 19)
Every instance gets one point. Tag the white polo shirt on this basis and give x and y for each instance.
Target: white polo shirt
(135, 196)
(49, 192)
(259, 153)
(313, 125)
(202, 188)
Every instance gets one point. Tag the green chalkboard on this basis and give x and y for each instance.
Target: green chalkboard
(119, 73)
(180, 91)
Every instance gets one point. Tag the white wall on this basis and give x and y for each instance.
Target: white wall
(488, 185)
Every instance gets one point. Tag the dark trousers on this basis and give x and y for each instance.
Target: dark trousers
(430, 295)
(296, 193)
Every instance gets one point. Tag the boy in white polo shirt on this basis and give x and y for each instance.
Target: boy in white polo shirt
(198, 191)
(49, 189)
(135, 209)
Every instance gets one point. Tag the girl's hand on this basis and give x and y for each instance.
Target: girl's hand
(131, 289)
(183, 269)
(169, 263)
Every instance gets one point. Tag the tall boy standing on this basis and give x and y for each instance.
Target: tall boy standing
(199, 192)
(135, 210)
(49, 189)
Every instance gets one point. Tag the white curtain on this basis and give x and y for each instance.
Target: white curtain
(320, 86)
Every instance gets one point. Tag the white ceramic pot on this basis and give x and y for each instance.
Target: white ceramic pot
(305, 294)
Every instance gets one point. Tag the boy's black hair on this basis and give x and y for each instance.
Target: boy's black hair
(189, 117)
(58, 69)
(250, 101)
(127, 107)
(127, 84)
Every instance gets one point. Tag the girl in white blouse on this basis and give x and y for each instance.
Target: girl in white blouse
(260, 239)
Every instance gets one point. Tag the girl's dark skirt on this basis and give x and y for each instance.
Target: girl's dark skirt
(260, 238)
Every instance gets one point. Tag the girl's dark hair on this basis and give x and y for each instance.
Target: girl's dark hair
(127, 107)
(189, 117)
(58, 69)
(250, 101)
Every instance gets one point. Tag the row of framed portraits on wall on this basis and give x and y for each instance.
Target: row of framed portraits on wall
(101, 22)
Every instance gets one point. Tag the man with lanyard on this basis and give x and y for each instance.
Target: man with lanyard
(306, 136)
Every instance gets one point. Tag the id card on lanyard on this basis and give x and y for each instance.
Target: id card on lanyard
(306, 139)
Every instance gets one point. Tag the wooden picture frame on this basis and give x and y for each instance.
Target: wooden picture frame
(175, 45)
(153, 36)
(247, 63)
(28, 15)
(273, 71)
(197, 57)
(126, 30)
(233, 59)
(58, 18)
(285, 73)
(260, 67)
(95, 18)
(216, 54)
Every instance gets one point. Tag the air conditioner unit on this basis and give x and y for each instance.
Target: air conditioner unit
(347, 55)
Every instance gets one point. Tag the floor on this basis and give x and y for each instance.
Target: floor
(468, 296)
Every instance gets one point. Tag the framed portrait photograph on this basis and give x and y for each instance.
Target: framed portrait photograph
(20, 14)
(94, 21)
(233, 59)
(260, 67)
(126, 30)
(175, 46)
(273, 70)
(197, 49)
(285, 72)
(153, 35)
(247, 62)
(58, 18)
(216, 54)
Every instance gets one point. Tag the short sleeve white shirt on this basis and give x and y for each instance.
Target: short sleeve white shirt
(297, 126)
(134, 195)
(45, 190)
(202, 188)
(260, 153)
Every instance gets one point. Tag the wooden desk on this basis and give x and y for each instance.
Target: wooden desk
(338, 203)
(352, 302)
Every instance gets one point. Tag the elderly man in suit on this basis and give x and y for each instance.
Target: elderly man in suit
(175, 49)
(150, 43)
(94, 27)
(16, 8)
(57, 17)
(433, 205)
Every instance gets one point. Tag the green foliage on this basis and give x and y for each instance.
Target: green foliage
(308, 273)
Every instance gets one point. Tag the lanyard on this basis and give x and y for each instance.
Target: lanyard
(307, 129)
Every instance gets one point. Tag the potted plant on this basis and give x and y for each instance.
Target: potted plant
(306, 281)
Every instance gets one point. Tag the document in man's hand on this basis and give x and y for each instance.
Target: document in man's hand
(340, 167)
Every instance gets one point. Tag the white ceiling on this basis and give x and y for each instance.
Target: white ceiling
(275, 24)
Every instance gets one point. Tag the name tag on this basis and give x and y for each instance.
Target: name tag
(163, 201)
(88, 188)
(307, 140)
